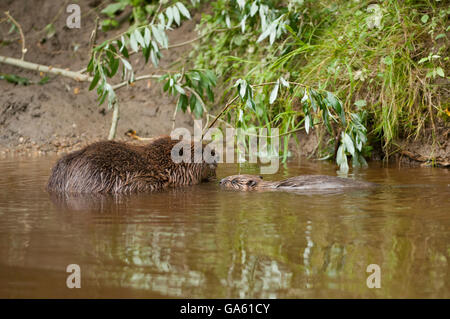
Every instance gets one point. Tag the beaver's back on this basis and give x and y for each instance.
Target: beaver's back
(320, 182)
(113, 167)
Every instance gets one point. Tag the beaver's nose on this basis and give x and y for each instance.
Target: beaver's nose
(222, 181)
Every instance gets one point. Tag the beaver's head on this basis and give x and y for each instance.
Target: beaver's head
(242, 182)
(209, 171)
(189, 162)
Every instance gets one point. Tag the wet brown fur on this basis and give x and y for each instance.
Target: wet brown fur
(246, 182)
(116, 167)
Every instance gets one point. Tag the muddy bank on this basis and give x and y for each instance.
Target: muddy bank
(63, 115)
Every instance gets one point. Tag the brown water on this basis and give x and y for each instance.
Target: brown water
(204, 242)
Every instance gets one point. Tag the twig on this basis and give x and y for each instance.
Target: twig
(115, 119)
(139, 78)
(222, 112)
(156, 12)
(44, 68)
(22, 37)
(93, 39)
(198, 98)
(174, 116)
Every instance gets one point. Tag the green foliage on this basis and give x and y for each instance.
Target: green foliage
(148, 38)
(199, 85)
(15, 79)
(381, 59)
(19, 80)
(142, 11)
(362, 71)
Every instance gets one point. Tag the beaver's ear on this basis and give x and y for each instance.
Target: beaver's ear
(260, 176)
(251, 183)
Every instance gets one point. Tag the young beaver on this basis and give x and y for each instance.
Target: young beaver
(305, 182)
(115, 167)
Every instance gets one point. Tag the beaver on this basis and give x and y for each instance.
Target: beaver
(118, 167)
(305, 182)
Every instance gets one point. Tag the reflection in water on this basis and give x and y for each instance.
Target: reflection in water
(202, 241)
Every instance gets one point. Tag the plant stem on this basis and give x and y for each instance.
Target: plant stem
(115, 119)
(22, 37)
(44, 68)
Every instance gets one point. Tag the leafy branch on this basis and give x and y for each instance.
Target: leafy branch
(317, 107)
(191, 87)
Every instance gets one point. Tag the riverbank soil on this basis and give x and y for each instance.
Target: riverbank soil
(62, 114)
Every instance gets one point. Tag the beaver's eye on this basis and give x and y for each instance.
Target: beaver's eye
(234, 181)
(260, 176)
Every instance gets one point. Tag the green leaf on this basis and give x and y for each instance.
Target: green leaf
(114, 65)
(423, 60)
(179, 89)
(198, 111)
(440, 71)
(162, 20)
(169, 14)
(146, 53)
(147, 37)
(183, 10)
(154, 57)
(243, 89)
(94, 81)
(106, 24)
(182, 102)
(15, 79)
(102, 97)
(266, 32)
(274, 93)
(250, 103)
(126, 64)
(253, 8)
(346, 139)
(307, 123)
(176, 15)
(111, 9)
(210, 93)
(312, 99)
(133, 43)
(361, 103)
(425, 18)
(192, 102)
(139, 38)
(50, 31)
(341, 159)
(159, 36)
(387, 60)
(44, 80)
(284, 82)
(90, 66)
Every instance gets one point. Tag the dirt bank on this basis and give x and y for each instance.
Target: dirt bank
(62, 114)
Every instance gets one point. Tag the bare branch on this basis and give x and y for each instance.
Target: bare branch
(22, 37)
(44, 68)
